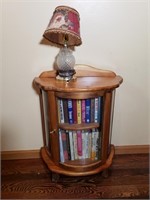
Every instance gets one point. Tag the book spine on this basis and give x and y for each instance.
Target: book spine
(64, 143)
(88, 110)
(86, 144)
(93, 152)
(83, 110)
(78, 111)
(92, 110)
(90, 143)
(75, 145)
(74, 102)
(71, 145)
(70, 111)
(61, 147)
(68, 145)
(100, 109)
(96, 110)
(65, 108)
(79, 143)
(61, 112)
(97, 144)
(58, 109)
(83, 144)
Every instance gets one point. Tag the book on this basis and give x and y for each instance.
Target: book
(68, 145)
(83, 144)
(78, 111)
(61, 147)
(92, 109)
(83, 110)
(93, 148)
(74, 102)
(64, 144)
(79, 143)
(65, 109)
(75, 145)
(100, 108)
(96, 110)
(70, 111)
(97, 143)
(71, 145)
(88, 110)
(90, 143)
(86, 143)
(60, 111)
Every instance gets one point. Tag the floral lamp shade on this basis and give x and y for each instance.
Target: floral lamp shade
(64, 25)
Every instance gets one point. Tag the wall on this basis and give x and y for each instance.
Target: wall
(115, 37)
(0, 66)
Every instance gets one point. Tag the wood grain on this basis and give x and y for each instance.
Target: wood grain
(30, 179)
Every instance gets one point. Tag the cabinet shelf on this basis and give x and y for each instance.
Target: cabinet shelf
(60, 169)
(82, 126)
(81, 165)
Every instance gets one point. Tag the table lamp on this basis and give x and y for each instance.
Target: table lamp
(64, 29)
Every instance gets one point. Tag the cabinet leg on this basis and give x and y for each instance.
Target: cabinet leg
(55, 177)
(105, 173)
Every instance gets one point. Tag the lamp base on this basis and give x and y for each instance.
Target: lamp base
(65, 78)
(66, 75)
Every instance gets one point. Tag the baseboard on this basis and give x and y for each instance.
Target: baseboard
(31, 154)
(23, 154)
(132, 149)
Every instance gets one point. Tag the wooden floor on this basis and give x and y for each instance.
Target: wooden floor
(30, 179)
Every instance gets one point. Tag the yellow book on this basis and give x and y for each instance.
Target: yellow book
(78, 111)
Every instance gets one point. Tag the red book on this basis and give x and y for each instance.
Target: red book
(79, 143)
(83, 110)
(64, 144)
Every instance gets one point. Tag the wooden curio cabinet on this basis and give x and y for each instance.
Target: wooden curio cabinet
(77, 121)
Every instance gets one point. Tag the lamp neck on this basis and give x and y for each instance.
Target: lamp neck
(66, 41)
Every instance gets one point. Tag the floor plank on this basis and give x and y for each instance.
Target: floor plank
(30, 179)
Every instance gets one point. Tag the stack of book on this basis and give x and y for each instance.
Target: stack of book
(79, 144)
(77, 111)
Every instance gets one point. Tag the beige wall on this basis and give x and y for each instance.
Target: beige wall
(149, 66)
(115, 37)
(0, 66)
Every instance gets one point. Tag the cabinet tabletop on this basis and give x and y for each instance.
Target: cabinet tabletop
(82, 82)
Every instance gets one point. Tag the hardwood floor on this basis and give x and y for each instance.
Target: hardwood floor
(30, 179)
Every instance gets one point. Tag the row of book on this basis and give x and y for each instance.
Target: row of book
(77, 111)
(79, 144)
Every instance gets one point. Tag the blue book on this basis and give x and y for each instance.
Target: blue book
(88, 110)
(70, 111)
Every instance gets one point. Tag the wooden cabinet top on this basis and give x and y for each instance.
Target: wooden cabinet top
(87, 79)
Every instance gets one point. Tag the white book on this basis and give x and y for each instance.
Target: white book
(71, 145)
(96, 110)
(62, 159)
(90, 144)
